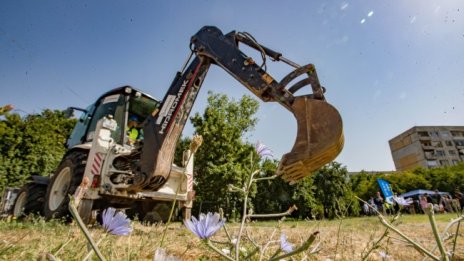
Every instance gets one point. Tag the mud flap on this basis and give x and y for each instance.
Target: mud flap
(319, 139)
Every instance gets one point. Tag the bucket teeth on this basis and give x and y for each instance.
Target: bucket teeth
(319, 139)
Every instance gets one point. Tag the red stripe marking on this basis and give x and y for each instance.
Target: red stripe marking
(97, 159)
(96, 166)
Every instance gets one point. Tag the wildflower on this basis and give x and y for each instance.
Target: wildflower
(162, 255)
(284, 245)
(384, 255)
(263, 150)
(403, 202)
(116, 223)
(206, 226)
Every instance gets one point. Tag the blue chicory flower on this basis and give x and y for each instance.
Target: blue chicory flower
(263, 150)
(116, 223)
(206, 226)
(284, 245)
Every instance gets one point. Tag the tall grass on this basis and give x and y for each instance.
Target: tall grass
(34, 238)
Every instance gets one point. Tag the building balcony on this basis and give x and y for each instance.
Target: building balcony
(427, 147)
(430, 155)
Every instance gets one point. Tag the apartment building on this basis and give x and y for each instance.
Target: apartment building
(428, 147)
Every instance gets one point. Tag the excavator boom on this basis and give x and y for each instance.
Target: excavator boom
(320, 134)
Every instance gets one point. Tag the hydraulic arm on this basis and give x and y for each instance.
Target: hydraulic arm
(320, 136)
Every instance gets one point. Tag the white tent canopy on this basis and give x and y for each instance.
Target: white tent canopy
(420, 192)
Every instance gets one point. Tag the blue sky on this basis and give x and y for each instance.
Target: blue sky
(387, 65)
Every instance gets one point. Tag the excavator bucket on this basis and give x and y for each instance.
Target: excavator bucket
(319, 139)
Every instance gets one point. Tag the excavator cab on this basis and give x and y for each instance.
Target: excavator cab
(121, 104)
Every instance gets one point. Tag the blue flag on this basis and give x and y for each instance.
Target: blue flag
(386, 190)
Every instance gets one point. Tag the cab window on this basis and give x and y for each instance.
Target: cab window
(110, 105)
(77, 135)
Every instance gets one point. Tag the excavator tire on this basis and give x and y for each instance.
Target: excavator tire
(319, 139)
(64, 183)
(30, 199)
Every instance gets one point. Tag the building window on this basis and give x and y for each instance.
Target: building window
(423, 133)
(432, 163)
(439, 153)
(437, 144)
(428, 154)
(459, 142)
(444, 134)
(456, 134)
(426, 143)
(452, 152)
(449, 143)
(434, 133)
(443, 162)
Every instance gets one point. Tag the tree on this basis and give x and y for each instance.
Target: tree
(274, 195)
(444, 179)
(332, 191)
(402, 182)
(223, 158)
(32, 145)
(364, 185)
(303, 194)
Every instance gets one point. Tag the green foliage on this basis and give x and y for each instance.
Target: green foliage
(273, 196)
(333, 192)
(448, 179)
(277, 195)
(406, 181)
(304, 198)
(223, 158)
(32, 145)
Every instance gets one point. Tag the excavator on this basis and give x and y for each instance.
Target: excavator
(141, 176)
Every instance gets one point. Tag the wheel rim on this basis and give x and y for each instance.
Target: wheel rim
(59, 190)
(20, 204)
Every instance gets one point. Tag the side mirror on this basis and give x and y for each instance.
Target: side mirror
(69, 112)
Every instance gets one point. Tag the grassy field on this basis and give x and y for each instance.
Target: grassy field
(343, 239)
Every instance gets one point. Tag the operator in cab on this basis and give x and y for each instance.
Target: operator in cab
(134, 130)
